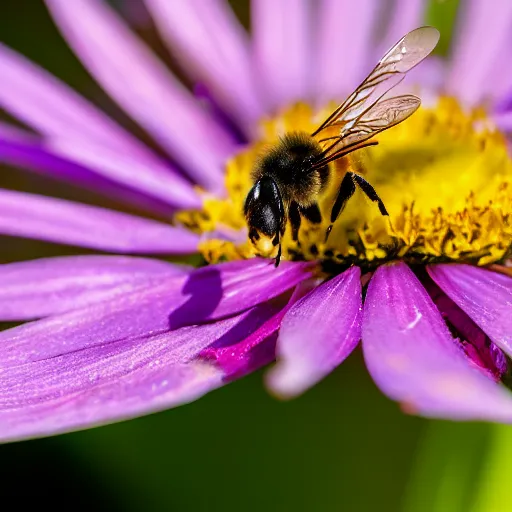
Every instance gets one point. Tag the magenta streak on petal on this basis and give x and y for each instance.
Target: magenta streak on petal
(143, 311)
(481, 351)
(109, 173)
(66, 222)
(38, 288)
(485, 296)
(483, 33)
(258, 349)
(413, 358)
(282, 33)
(253, 352)
(213, 48)
(317, 334)
(140, 83)
(115, 380)
(343, 43)
(406, 16)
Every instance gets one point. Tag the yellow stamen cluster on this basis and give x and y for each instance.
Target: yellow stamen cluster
(444, 175)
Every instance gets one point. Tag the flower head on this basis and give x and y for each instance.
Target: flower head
(120, 336)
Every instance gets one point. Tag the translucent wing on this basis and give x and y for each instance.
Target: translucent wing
(381, 116)
(364, 113)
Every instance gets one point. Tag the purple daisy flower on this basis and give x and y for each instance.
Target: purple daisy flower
(113, 337)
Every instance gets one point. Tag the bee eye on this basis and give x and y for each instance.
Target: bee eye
(252, 198)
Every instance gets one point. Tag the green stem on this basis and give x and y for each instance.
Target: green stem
(448, 463)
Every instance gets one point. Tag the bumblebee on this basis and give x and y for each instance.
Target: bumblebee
(290, 177)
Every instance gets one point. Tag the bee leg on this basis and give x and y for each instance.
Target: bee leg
(278, 257)
(345, 192)
(312, 213)
(295, 219)
(277, 241)
(369, 191)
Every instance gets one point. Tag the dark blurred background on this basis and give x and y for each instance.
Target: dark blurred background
(342, 446)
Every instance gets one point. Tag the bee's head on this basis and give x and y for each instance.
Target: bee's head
(264, 213)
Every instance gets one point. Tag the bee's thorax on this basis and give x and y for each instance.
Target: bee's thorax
(290, 164)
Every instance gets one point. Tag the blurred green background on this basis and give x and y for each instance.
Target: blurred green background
(342, 446)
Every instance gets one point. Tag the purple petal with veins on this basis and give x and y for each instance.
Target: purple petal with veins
(103, 170)
(226, 298)
(342, 24)
(276, 28)
(213, 48)
(473, 45)
(152, 309)
(120, 378)
(413, 358)
(317, 334)
(485, 296)
(56, 111)
(66, 222)
(38, 288)
(481, 351)
(141, 84)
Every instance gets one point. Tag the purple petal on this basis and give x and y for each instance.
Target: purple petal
(475, 47)
(413, 358)
(282, 49)
(66, 119)
(151, 309)
(34, 289)
(65, 222)
(477, 346)
(344, 39)
(112, 381)
(485, 296)
(499, 79)
(504, 121)
(140, 83)
(317, 334)
(136, 394)
(213, 47)
(258, 348)
(53, 109)
(89, 166)
(253, 352)
(227, 298)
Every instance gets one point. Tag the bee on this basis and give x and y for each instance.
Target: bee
(290, 177)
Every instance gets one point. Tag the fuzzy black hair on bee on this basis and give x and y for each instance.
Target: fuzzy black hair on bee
(290, 176)
(289, 164)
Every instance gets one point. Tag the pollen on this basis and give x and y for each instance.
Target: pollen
(444, 175)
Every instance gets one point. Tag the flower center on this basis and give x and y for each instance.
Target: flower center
(444, 176)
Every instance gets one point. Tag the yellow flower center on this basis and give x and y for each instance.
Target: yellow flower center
(444, 176)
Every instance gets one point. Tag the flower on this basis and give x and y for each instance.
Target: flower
(117, 336)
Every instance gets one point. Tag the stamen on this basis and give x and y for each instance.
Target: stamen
(444, 176)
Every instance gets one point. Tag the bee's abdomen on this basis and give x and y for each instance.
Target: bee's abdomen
(290, 164)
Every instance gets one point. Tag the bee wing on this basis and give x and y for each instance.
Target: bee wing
(381, 116)
(389, 72)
